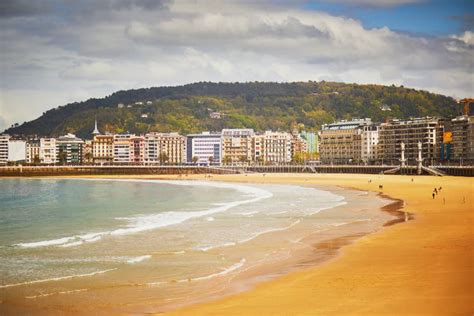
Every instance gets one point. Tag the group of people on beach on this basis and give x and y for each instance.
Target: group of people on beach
(436, 191)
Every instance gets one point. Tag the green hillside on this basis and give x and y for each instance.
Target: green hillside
(258, 105)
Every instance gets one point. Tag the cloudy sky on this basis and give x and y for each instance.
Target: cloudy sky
(59, 51)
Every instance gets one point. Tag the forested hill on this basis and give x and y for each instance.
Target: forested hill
(258, 105)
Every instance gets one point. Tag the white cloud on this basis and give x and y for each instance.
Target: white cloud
(467, 37)
(376, 3)
(49, 62)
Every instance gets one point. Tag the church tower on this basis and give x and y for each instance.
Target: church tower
(96, 130)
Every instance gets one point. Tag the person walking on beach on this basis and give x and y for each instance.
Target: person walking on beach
(433, 195)
(436, 191)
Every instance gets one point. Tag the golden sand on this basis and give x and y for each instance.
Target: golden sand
(424, 266)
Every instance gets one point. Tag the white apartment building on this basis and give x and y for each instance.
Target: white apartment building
(237, 145)
(152, 148)
(206, 147)
(4, 148)
(121, 148)
(16, 150)
(272, 147)
(370, 141)
(48, 151)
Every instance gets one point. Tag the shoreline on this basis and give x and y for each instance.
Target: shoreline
(424, 266)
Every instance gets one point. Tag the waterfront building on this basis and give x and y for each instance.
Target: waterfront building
(462, 138)
(87, 152)
(4, 148)
(48, 151)
(369, 139)
(33, 151)
(205, 147)
(121, 148)
(272, 147)
(137, 149)
(152, 148)
(69, 149)
(173, 146)
(17, 150)
(428, 131)
(299, 147)
(311, 139)
(341, 142)
(165, 148)
(237, 146)
(103, 149)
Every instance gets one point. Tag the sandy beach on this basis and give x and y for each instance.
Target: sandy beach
(420, 266)
(424, 266)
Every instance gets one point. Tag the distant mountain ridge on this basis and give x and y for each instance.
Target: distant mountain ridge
(260, 105)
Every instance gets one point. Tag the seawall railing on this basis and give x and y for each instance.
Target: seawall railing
(31, 171)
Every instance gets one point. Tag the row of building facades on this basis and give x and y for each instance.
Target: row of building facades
(229, 147)
(358, 141)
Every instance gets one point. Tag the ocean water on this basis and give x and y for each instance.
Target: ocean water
(81, 236)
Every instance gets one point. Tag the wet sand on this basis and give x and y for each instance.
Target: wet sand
(424, 266)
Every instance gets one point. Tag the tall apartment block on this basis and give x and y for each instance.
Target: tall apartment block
(237, 146)
(347, 141)
(272, 147)
(428, 131)
(462, 138)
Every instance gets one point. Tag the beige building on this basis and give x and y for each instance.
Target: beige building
(427, 130)
(237, 146)
(164, 148)
(347, 141)
(272, 147)
(103, 149)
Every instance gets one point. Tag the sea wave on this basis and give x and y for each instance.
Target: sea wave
(224, 271)
(143, 223)
(138, 259)
(57, 278)
(253, 236)
(55, 293)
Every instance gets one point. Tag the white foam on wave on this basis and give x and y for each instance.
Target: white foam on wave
(249, 213)
(228, 244)
(138, 259)
(57, 279)
(56, 293)
(143, 223)
(224, 271)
